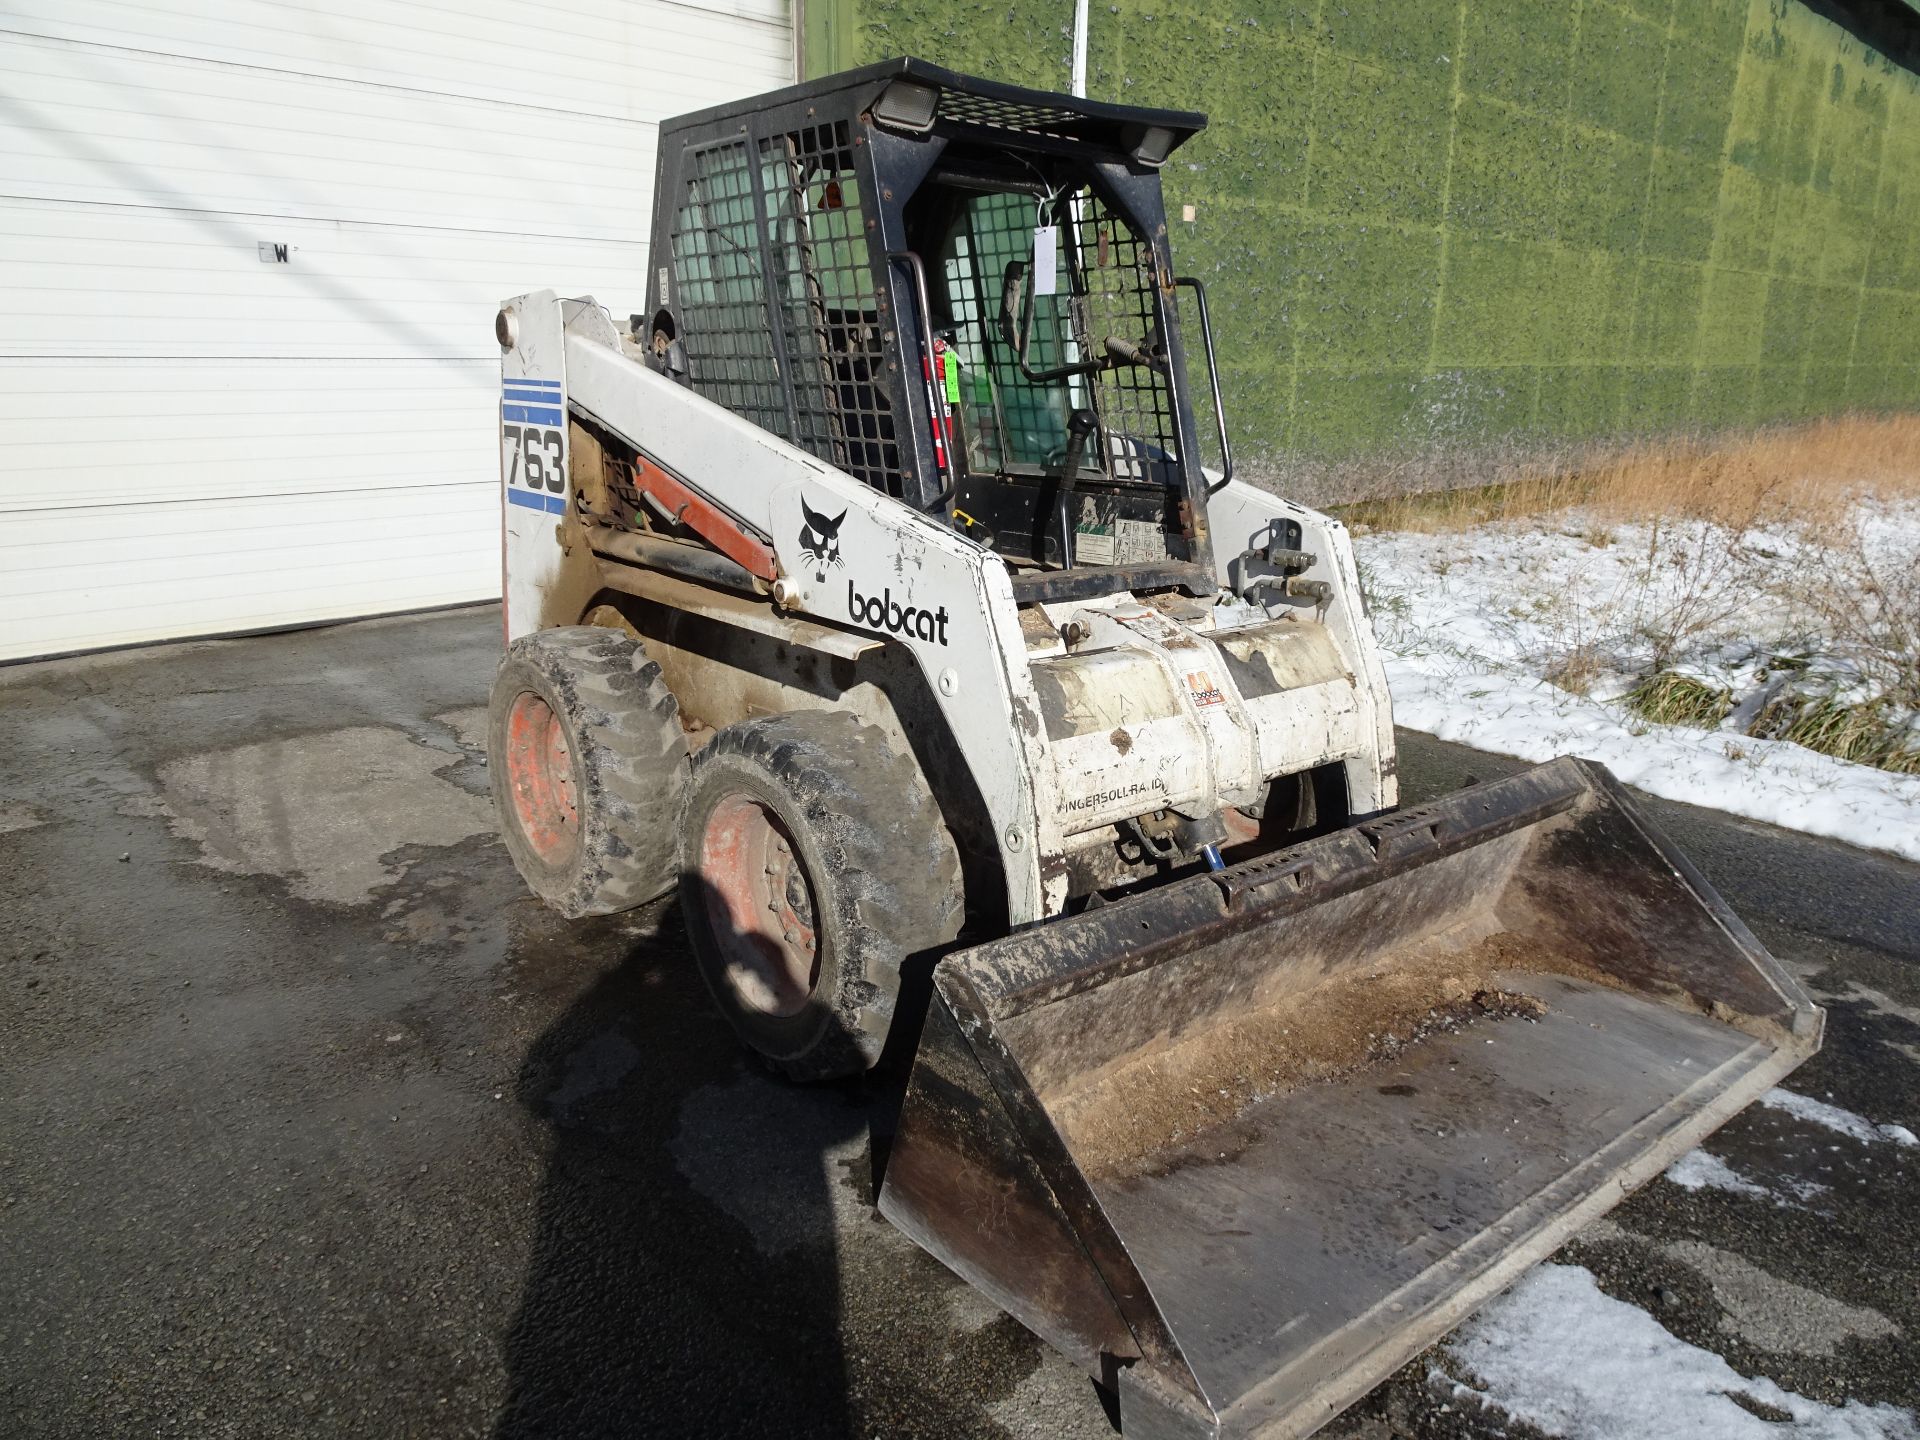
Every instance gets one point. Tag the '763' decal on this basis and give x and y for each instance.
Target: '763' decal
(536, 463)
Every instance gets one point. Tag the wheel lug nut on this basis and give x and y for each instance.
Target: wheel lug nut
(790, 936)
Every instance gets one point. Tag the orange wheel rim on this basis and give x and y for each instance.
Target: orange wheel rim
(540, 779)
(760, 907)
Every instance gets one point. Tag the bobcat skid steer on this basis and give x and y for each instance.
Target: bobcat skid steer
(869, 586)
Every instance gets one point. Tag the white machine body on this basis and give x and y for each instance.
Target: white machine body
(1071, 717)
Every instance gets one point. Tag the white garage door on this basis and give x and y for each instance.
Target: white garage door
(198, 439)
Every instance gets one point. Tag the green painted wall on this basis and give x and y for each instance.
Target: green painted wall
(1435, 228)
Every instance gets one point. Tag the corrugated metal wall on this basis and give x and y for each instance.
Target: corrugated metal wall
(199, 440)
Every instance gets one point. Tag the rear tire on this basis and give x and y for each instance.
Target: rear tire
(814, 862)
(589, 769)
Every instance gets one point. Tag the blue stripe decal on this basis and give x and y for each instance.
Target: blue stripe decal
(529, 397)
(543, 384)
(552, 504)
(531, 414)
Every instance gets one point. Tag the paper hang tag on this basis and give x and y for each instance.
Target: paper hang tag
(1046, 259)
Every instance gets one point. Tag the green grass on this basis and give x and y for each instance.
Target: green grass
(1865, 733)
(1670, 698)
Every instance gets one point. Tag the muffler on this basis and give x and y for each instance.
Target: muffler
(1243, 1145)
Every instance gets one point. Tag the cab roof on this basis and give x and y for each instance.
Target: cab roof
(913, 96)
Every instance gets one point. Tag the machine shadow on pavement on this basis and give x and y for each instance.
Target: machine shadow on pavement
(684, 1279)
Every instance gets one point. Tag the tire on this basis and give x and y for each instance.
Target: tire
(814, 862)
(589, 769)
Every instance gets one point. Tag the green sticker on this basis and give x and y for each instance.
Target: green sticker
(953, 379)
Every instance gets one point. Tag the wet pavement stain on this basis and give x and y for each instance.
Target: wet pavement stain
(322, 810)
(19, 817)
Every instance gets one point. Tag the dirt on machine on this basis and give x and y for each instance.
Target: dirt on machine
(884, 586)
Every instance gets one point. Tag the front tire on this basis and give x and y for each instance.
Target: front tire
(814, 862)
(589, 769)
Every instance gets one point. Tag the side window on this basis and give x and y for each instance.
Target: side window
(826, 304)
(719, 291)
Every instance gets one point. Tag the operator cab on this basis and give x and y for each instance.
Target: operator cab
(959, 292)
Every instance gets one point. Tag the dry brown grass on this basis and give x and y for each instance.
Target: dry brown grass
(1806, 475)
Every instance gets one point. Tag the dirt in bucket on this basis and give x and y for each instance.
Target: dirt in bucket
(1340, 1028)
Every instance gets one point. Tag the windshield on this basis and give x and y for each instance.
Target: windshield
(1096, 293)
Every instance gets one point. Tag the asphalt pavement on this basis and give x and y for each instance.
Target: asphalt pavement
(312, 1122)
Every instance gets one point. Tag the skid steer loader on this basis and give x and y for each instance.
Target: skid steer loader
(870, 585)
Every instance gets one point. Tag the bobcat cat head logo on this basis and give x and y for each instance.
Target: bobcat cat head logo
(820, 540)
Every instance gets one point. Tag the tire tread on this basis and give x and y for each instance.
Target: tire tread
(899, 890)
(625, 725)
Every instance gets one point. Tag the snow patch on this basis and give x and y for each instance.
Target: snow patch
(1697, 1170)
(1841, 1122)
(1633, 1378)
(1769, 780)
(1472, 623)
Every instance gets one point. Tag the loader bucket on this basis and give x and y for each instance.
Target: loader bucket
(1245, 1144)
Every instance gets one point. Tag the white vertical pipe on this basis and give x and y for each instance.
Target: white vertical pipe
(1080, 48)
(1078, 382)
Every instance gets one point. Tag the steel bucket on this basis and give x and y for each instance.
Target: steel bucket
(1243, 1145)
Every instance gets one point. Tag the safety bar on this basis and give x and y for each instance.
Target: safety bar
(1213, 378)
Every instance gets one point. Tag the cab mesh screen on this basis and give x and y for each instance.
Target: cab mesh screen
(827, 311)
(719, 289)
(775, 298)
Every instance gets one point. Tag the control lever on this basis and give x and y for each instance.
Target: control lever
(1016, 329)
(1080, 425)
(1125, 352)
